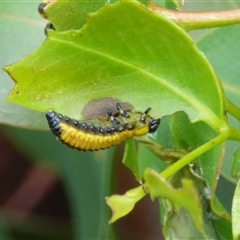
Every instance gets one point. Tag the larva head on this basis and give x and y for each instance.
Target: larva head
(145, 123)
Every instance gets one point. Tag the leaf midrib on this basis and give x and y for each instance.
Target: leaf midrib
(213, 120)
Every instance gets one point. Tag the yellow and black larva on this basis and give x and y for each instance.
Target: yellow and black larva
(88, 137)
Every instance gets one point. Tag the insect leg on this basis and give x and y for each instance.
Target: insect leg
(122, 112)
(143, 116)
(112, 118)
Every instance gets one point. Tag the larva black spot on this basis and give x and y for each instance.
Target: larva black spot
(89, 137)
(93, 128)
(153, 126)
(84, 126)
(75, 122)
(101, 130)
(108, 130)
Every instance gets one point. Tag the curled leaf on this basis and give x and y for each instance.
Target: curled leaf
(186, 196)
(121, 205)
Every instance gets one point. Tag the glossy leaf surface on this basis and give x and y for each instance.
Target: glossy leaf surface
(236, 164)
(159, 187)
(130, 158)
(225, 60)
(124, 50)
(235, 213)
(121, 205)
(190, 136)
(21, 33)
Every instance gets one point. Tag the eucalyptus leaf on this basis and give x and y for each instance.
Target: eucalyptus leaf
(130, 158)
(235, 213)
(121, 205)
(190, 136)
(225, 60)
(125, 51)
(181, 226)
(172, 4)
(236, 164)
(18, 19)
(67, 15)
(159, 187)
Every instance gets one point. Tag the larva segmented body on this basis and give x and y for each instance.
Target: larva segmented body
(87, 136)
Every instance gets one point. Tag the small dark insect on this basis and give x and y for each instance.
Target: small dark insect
(87, 136)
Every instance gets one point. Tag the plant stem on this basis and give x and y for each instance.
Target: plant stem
(195, 153)
(233, 109)
(234, 134)
(199, 20)
(167, 155)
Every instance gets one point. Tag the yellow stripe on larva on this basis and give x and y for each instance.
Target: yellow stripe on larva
(81, 140)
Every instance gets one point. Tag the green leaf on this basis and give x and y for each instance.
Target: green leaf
(67, 15)
(223, 228)
(182, 226)
(159, 187)
(121, 205)
(190, 136)
(236, 213)
(130, 158)
(225, 60)
(193, 214)
(151, 154)
(135, 49)
(236, 164)
(210, 5)
(20, 19)
(147, 159)
(172, 4)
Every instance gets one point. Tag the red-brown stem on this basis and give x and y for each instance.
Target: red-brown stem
(199, 20)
